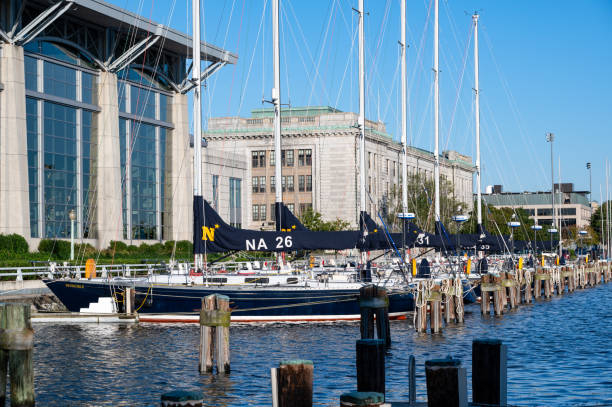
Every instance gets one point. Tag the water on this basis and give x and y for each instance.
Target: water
(558, 354)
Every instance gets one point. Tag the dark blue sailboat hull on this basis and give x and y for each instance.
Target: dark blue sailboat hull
(183, 303)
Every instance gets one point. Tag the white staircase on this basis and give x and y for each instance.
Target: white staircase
(105, 305)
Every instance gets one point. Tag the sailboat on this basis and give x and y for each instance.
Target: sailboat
(176, 297)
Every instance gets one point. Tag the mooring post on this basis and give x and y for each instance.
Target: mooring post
(446, 383)
(182, 398)
(373, 300)
(362, 399)
(435, 310)
(412, 379)
(485, 295)
(130, 298)
(16, 344)
(294, 383)
(449, 302)
(371, 365)
(489, 372)
(214, 327)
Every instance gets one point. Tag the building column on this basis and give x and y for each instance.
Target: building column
(14, 191)
(107, 180)
(179, 173)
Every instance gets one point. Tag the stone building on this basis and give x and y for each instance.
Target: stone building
(94, 119)
(320, 147)
(572, 208)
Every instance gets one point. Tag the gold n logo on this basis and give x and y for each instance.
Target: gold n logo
(208, 233)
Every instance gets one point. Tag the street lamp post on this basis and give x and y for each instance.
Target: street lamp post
(552, 231)
(72, 216)
(459, 219)
(513, 225)
(535, 229)
(588, 166)
(405, 217)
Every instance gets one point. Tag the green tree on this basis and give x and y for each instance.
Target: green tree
(420, 202)
(598, 220)
(314, 221)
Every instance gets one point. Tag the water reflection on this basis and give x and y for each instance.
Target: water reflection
(558, 350)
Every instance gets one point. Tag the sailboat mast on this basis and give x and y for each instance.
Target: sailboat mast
(197, 103)
(361, 120)
(560, 213)
(436, 119)
(197, 115)
(404, 130)
(277, 111)
(477, 108)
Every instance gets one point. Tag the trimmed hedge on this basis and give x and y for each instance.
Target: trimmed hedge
(13, 243)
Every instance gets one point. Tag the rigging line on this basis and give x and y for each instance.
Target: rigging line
(381, 35)
(465, 54)
(322, 38)
(512, 102)
(348, 62)
(308, 51)
(229, 103)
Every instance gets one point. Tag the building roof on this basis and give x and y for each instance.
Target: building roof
(533, 198)
(295, 111)
(108, 15)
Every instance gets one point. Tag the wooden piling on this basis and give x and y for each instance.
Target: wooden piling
(485, 294)
(374, 301)
(449, 303)
(182, 398)
(435, 310)
(421, 318)
(528, 282)
(294, 383)
(214, 333)
(489, 372)
(130, 299)
(370, 365)
(446, 383)
(222, 337)
(16, 344)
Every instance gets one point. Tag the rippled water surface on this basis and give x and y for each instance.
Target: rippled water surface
(559, 353)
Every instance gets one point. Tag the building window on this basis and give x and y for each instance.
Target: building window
(255, 212)
(262, 184)
(284, 183)
(287, 158)
(262, 212)
(288, 183)
(568, 211)
(235, 198)
(308, 183)
(215, 192)
(291, 207)
(545, 212)
(255, 182)
(272, 158)
(304, 157)
(272, 184)
(301, 183)
(272, 213)
(258, 159)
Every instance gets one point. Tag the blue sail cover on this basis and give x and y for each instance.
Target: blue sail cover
(290, 222)
(213, 234)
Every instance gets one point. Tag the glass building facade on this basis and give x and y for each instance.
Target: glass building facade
(143, 127)
(60, 107)
(60, 104)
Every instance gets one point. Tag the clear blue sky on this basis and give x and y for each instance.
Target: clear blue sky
(545, 66)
